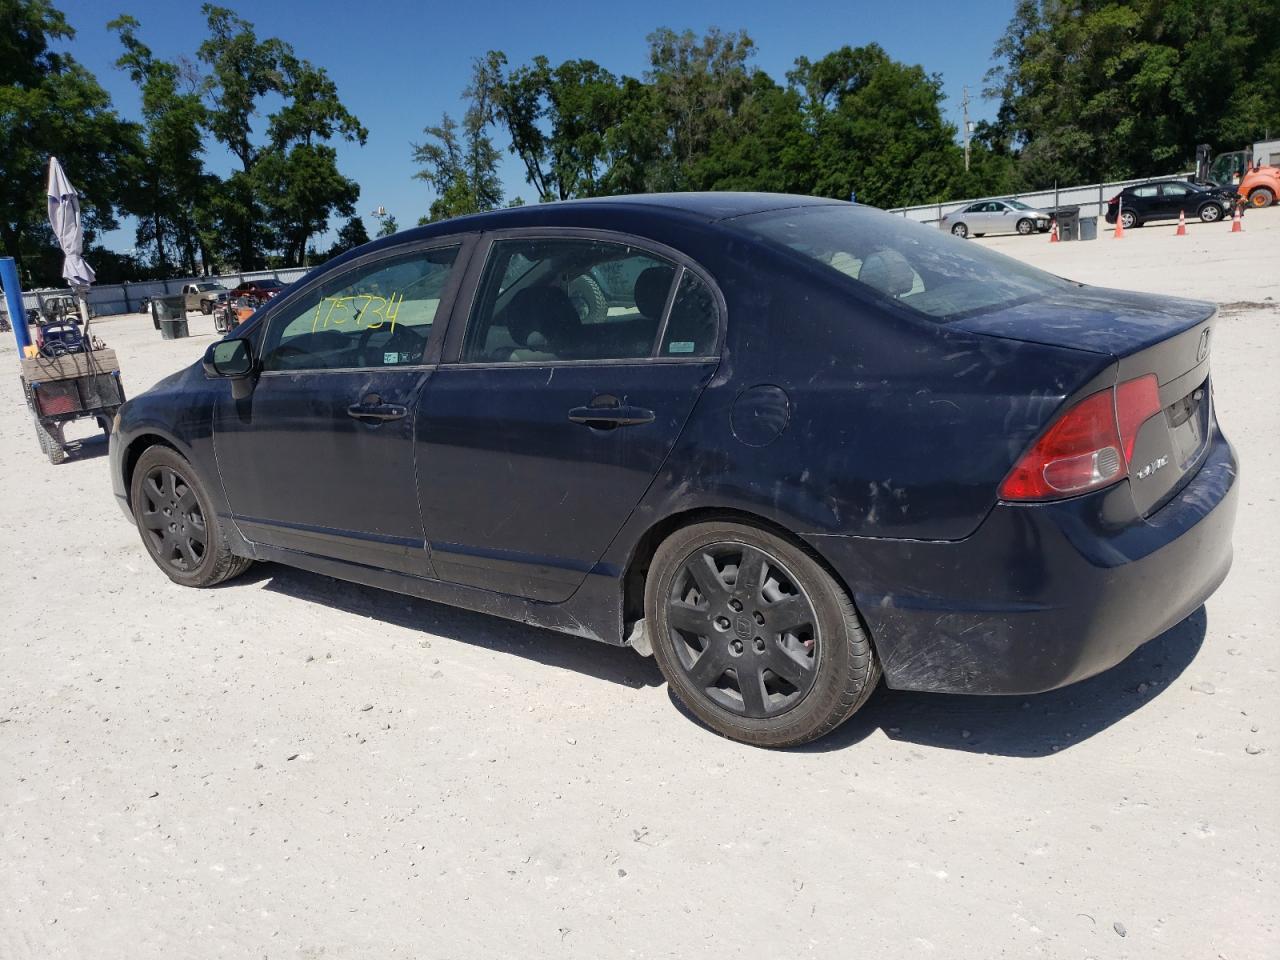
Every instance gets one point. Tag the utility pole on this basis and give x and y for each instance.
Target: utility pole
(964, 105)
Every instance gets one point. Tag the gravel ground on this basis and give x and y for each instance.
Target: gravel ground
(289, 766)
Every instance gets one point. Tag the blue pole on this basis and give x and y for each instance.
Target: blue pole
(13, 296)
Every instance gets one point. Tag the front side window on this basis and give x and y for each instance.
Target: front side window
(549, 300)
(1175, 190)
(930, 272)
(379, 314)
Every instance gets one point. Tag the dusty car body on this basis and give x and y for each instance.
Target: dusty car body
(814, 443)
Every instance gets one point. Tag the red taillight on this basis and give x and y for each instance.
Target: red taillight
(1115, 199)
(1137, 401)
(1088, 446)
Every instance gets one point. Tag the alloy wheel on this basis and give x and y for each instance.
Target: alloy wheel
(744, 630)
(172, 520)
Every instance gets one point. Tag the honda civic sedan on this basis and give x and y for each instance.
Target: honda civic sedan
(787, 446)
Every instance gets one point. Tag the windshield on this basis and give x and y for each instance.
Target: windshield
(933, 273)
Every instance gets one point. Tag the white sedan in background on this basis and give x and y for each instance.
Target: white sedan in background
(995, 216)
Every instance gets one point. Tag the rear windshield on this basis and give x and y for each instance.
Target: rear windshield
(935, 274)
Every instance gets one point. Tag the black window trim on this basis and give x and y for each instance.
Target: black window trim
(464, 306)
(466, 244)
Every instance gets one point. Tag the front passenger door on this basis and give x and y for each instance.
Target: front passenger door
(319, 458)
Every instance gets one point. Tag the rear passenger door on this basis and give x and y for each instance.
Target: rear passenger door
(557, 403)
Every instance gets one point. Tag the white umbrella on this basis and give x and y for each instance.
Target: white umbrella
(64, 217)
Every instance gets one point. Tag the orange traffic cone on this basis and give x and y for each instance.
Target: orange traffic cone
(1237, 222)
(1182, 224)
(1119, 228)
(1053, 231)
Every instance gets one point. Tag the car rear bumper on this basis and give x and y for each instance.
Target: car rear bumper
(1042, 595)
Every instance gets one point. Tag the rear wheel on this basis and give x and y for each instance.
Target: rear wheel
(754, 636)
(51, 442)
(1261, 197)
(1210, 213)
(1025, 227)
(960, 230)
(175, 517)
(206, 307)
(1130, 220)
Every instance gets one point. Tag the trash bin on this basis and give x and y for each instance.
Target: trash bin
(1088, 228)
(169, 314)
(1068, 222)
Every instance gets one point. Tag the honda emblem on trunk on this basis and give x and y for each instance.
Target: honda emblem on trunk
(1202, 351)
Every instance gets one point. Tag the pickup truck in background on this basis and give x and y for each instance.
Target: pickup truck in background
(204, 295)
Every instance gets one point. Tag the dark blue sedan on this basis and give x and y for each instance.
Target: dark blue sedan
(786, 445)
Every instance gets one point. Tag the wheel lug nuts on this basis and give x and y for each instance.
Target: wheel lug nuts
(759, 618)
(759, 645)
(722, 623)
(735, 605)
(736, 646)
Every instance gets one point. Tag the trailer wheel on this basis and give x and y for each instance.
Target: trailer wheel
(50, 437)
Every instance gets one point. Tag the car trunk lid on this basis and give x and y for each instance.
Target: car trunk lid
(1146, 334)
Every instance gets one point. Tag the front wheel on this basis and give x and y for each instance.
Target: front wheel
(176, 519)
(1210, 213)
(1025, 227)
(754, 636)
(1261, 197)
(960, 230)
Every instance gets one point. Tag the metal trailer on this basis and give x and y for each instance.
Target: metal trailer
(66, 380)
(73, 386)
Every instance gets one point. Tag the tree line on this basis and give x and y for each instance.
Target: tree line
(1088, 90)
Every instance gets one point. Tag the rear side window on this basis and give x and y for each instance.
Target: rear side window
(552, 300)
(936, 275)
(1145, 191)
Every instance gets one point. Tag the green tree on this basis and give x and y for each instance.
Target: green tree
(352, 234)
(168, 174)
(388, 226)
(558, 119)
(50, 105)
(288, 186)
(1104, 89)
(877, 128)
(463, 171)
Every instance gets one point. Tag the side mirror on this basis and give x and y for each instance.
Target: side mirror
(231, 360)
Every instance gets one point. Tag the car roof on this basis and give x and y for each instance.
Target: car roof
(602, 213)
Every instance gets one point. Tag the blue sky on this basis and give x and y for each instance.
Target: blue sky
(400, 64)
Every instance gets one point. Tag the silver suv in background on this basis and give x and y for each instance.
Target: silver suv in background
(995, 216)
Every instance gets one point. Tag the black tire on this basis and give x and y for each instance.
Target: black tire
(51, 443)
(206, 307)
(827, 665)
(1210, 213)
(960, 230)
(1130, 220)
(1260, 197)
(588, 299)
(1026, 227)
(173, 517)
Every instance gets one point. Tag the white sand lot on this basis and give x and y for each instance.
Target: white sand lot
(294, 767)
